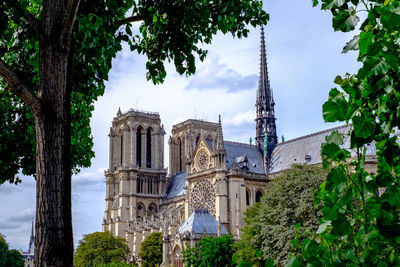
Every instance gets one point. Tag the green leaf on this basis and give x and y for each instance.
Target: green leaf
(363, 128)
(269, 263)
(331, 4)
(352, 44)
(335, 109)
(365, 41)
(323, 227)
(345, 20)
(390, 17)
(374, 65)
(335, 137)
(293, 262)
(341, 226)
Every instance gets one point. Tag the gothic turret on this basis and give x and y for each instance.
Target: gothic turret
(220, 150)
(266, 127)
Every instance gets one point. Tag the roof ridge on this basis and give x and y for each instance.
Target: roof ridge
(238, 143)
(314, 134)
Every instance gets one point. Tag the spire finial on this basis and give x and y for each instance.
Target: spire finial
(119, 113)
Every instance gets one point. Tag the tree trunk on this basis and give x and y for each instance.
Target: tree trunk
(53, 239)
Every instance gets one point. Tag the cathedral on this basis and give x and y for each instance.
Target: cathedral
(210, 181)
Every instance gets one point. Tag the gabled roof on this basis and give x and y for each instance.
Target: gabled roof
(176, 185)
(201, 221)
(235, 152)
(296, 150)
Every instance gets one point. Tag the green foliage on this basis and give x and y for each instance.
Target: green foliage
(99, 31)
(151, 250)
(9, 258)
(359, 225)
(270, 224)
(101, 249)
(210, 251)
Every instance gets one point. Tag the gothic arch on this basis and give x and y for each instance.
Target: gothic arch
(149, 145)
(152, 209)
(139, 131)
(248, 195)
(180, 142)
(259, 194)
(140, 210)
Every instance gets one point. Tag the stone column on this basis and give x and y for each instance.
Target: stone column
(123, 197)
(221, 198)
(126, 147)
(144, 149)
(171, 156)
(166, 248)
(133, 146)
(156, 152)
(161, 150)
(110, 150)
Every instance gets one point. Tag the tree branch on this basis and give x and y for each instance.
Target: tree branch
(133, 19)
(69, 17)
(18, 88)
(27, 16)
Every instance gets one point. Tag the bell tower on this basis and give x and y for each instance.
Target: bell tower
(265, 121)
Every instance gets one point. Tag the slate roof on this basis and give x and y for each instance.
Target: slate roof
(295, 150)
(176, 185)
(201, 221)
(235, 152)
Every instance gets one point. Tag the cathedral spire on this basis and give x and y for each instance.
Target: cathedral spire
(265, 104)
(31, 241)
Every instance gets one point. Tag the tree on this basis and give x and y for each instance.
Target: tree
(361, 224)
(100, 248)
(210, 251)
(9, 258)
(151, 250)
(54, 58)
(270, 224)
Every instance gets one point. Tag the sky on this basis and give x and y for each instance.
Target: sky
(303, 54)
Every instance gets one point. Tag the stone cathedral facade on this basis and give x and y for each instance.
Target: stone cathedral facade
(210, 181)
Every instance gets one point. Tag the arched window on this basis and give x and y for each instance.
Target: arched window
(138, 188)
(180, 154)
(247, 198)
(148, 148)
(140, 210)
(197, 140)
(258, 196)
(139, 147)
(152, 209)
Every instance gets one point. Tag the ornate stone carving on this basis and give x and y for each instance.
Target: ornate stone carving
(202, 160)
(202, 197)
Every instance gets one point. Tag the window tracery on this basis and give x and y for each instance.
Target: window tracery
(203, 197)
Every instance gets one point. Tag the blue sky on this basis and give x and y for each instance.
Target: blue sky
(304, 56)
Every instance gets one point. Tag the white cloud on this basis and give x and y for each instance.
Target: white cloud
(241, 118)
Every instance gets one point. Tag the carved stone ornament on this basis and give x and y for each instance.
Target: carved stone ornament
(202, 197)
(202, 160)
